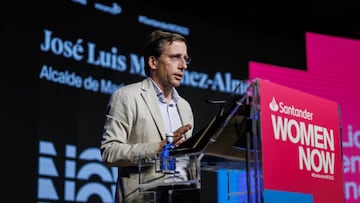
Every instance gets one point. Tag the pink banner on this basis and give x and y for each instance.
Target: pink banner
(301, 143)
(332, 72)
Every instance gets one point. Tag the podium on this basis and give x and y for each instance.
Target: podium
(267, 144)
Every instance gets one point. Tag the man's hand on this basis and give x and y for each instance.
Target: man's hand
(179, 136)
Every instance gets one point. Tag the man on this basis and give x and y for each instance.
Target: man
(140, 115)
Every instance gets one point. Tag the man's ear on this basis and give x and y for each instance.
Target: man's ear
(152, 62)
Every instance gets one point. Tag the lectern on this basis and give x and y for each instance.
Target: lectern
(267, 144)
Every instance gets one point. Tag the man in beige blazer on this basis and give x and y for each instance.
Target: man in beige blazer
(140, 114)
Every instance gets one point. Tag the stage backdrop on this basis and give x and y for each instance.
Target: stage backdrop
(62, 61)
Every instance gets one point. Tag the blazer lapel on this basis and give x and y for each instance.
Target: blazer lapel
(151, 100)
(184, 115)
(181, 108)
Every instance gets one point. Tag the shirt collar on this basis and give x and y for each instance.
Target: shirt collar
(160, 94)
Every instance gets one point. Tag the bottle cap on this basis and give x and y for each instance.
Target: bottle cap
(169, 137)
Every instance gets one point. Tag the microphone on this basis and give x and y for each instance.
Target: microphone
(216, 101)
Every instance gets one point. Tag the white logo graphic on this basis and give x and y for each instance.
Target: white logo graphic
(291, 110)
(273, 105)
(72, 180)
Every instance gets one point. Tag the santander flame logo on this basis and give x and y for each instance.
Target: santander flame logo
(273, 105)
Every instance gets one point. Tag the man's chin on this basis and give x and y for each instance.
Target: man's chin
(177, 83)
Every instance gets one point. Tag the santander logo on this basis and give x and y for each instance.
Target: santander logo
(273, 105)
(290, 110)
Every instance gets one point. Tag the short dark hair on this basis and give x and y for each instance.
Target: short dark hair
(154, 45)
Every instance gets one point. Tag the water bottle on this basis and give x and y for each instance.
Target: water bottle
(167, 163)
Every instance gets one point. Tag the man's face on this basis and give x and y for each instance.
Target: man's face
(170, 66)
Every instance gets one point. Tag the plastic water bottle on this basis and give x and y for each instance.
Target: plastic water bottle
(167, 163)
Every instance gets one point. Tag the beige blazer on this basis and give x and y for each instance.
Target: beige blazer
(133, 129)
